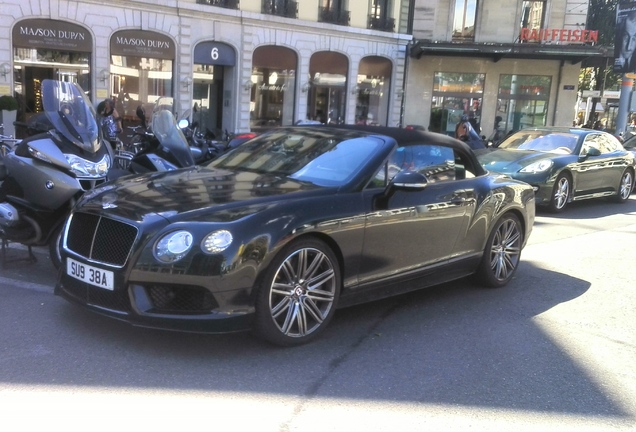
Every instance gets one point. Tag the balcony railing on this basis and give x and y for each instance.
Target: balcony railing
(333, 16)
(284, 8)
(382, 24)
(227, 4)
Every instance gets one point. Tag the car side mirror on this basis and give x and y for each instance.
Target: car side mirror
(409, 180)
(592, 151)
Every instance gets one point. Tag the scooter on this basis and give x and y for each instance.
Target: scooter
(44, 174)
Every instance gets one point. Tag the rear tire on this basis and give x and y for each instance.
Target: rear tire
(299, 294)
(502, 253)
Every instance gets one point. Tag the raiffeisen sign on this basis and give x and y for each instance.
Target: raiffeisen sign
(558, 35)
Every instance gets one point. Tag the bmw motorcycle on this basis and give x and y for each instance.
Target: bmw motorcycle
(43, 175)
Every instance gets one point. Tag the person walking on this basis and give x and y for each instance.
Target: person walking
(111, 121)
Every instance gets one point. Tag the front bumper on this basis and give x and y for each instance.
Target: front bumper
(160, 306)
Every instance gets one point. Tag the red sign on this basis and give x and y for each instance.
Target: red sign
(558, 35)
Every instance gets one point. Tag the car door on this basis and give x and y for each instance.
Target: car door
(602, 172)
(412, 228)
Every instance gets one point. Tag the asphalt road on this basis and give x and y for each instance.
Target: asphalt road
(555, 350)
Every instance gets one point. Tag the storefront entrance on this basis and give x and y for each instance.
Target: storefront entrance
(213, 65)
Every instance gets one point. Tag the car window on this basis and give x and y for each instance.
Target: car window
(437, 163)
(599, 142)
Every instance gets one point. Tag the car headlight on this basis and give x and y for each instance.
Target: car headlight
(216, 241)
(537, 167)
(84, 168)
(173, 246)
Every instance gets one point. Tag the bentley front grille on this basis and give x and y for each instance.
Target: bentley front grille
(100, 239)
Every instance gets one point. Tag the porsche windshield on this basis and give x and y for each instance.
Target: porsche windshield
(541, 141)
(321, 158)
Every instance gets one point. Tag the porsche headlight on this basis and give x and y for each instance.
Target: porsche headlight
(85, 168)
(173, 246)
(216, 241)
(537, 167)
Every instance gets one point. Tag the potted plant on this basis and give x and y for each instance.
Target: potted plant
(8, 108)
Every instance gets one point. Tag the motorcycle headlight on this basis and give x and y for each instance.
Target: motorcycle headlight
(537, 167)
(216, 241)
(173, 246)
(84, 168)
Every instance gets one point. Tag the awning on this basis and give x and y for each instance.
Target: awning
(572, 53)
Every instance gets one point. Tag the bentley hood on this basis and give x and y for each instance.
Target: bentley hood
(190, 193)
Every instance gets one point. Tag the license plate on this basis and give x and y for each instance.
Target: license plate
(89, 274)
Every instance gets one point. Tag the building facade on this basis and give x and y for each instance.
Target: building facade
(228, 65)
(507, 65)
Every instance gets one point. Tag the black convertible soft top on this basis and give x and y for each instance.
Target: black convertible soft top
(406, 137)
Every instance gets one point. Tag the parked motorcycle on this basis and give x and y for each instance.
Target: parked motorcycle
(163, 146)
(44, 174)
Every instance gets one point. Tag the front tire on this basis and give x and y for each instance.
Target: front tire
(299, 293)
(502, 253)
(560, 193)
(626, 186)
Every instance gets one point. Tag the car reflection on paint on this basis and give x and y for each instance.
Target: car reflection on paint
(565, 164)
(277, 234)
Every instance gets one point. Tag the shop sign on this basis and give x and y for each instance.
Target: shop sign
(558, 35)
(142, 43)
(214, 53)
(52, 34)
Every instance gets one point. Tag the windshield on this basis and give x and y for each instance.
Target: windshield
(71, 113)
(541, 141)
(323, 158)
(164, 127)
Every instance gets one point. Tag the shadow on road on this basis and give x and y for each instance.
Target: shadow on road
(453, 344)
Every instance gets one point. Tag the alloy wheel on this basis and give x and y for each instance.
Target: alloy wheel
(505, 249)
(561, 193)
(302, 293)
(627, 182)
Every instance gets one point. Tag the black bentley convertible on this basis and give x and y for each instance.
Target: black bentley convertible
(278, 233)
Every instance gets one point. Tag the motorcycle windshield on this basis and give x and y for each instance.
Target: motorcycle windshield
(164, 127)
(70, 112)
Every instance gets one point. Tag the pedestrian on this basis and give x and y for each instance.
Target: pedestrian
(464, 131)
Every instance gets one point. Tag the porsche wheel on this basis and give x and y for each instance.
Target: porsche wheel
(502, 253)
(560, 193)
(626, 186)
(299, 294)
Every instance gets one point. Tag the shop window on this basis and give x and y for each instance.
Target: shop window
(273, 87)
(456, 94)
(328, 87)
(522, 102)
(139, 80)
(464, 19)
(373, 84)
(532, 14)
